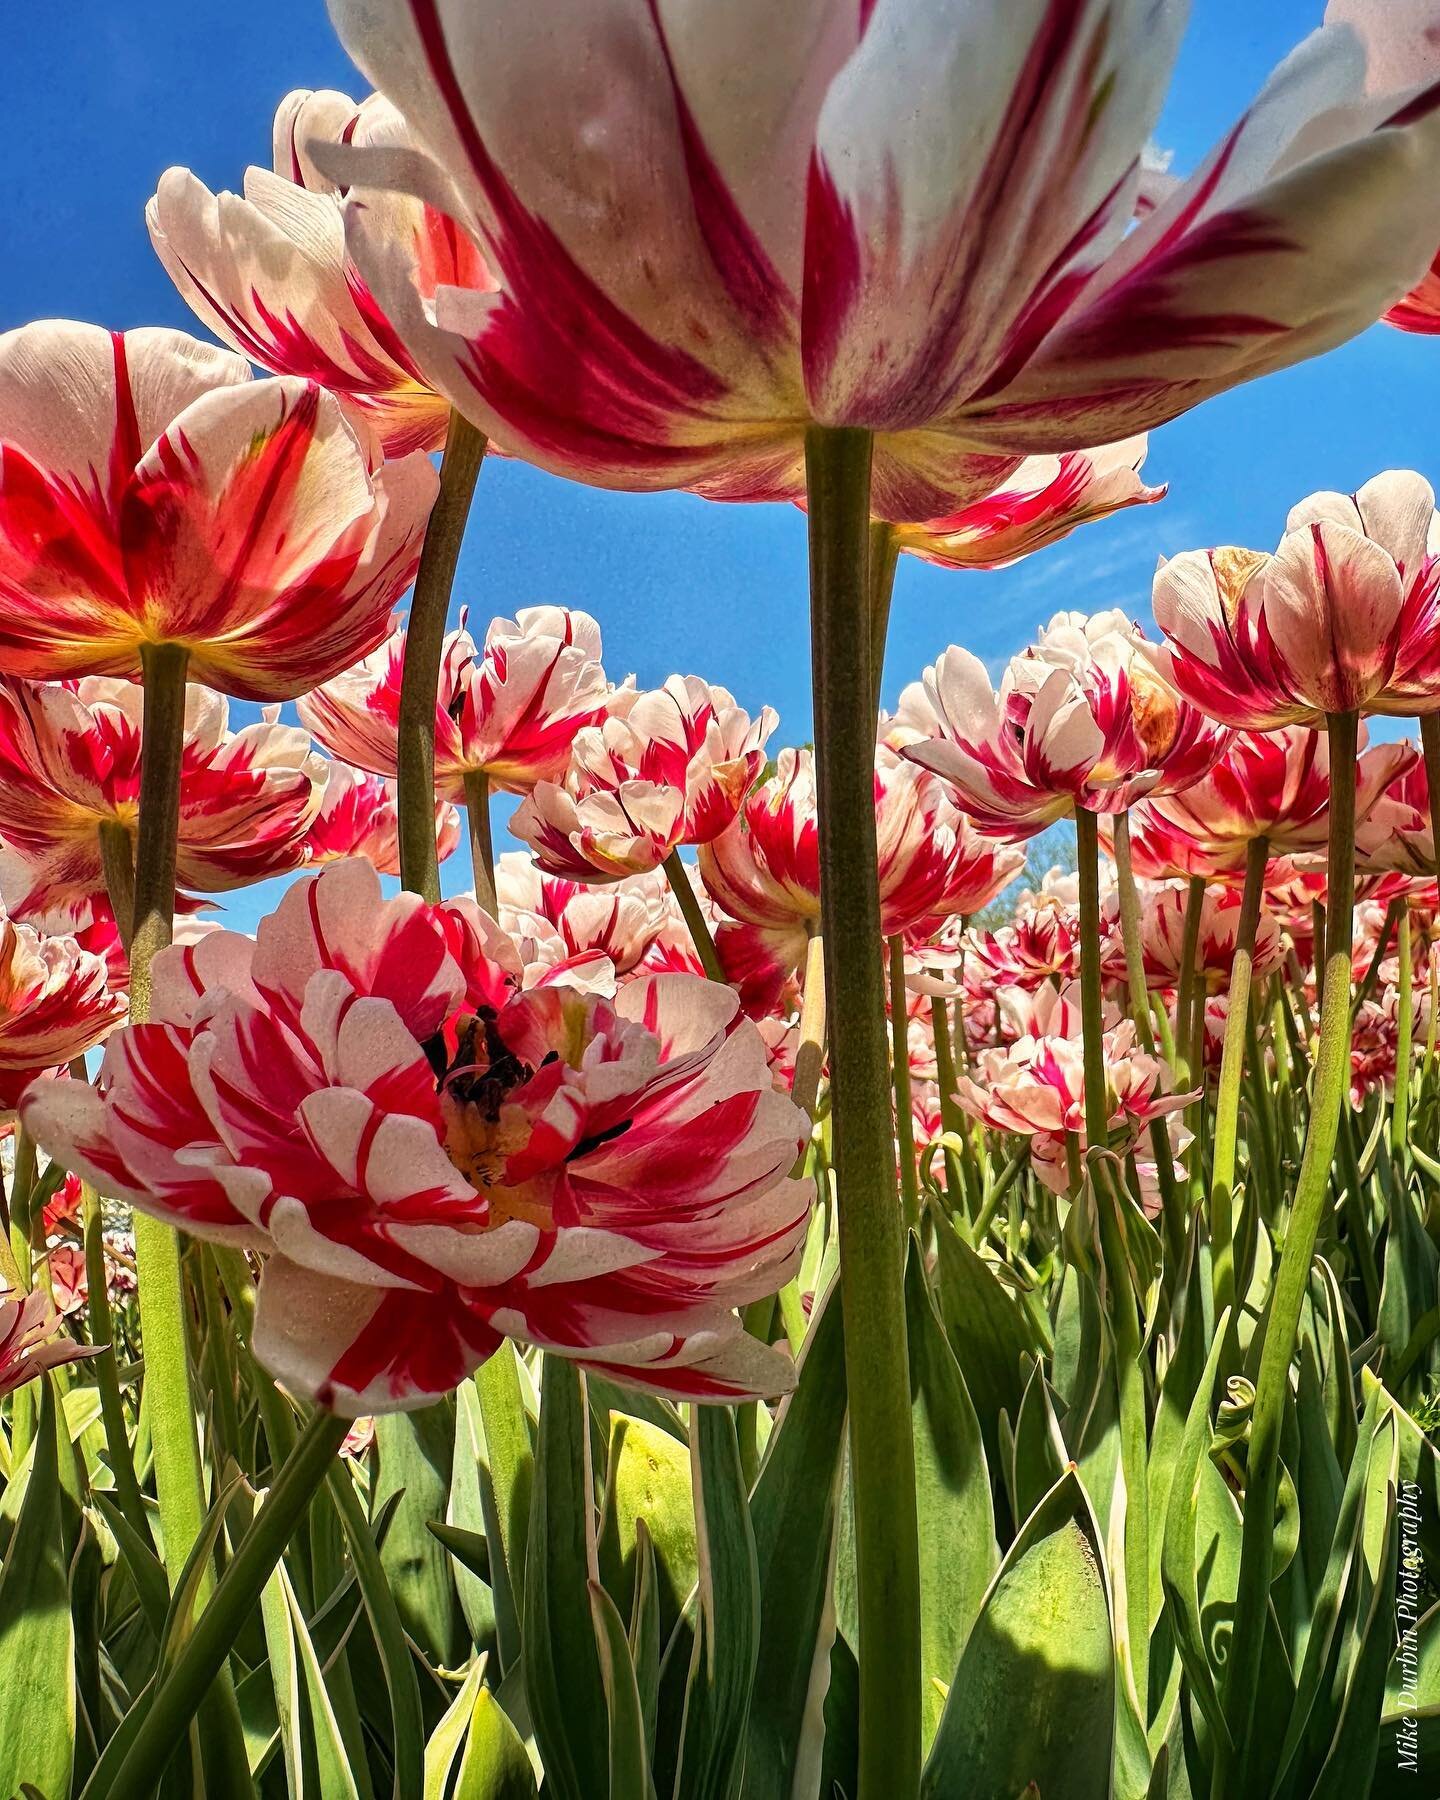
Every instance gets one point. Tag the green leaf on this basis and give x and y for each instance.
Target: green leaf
(37, 1639)
(562, 1669)
(1033, 1701)
(495, 1765)
(988, 1332)
(1351, 1762)
(468, 1548)
(309, 1733)
(1037, 1454)
(465, 1515)
(450, 1733)
(415, 1451)
(644, 1631)
(145, 1568)
(794, 1513)
(629, 1757)
(648, 1478)
(1407, 1322)
(726, 1646)
(958, 1553)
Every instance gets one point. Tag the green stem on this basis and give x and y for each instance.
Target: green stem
(884, 560)
(1184, 996)
(1232, 1069)
(951, 1117)
(1292, 1277)
(482, 847)
(175, 1702)
(107, 1370)
(810, 1055)
(1092, 1006)
(689, 904)
(900, 1075)
(1130, 934)
(1430, 749)
(164, 1318)
(1404, 1045)
(424, 644)
(117, 860)
(882, 1449)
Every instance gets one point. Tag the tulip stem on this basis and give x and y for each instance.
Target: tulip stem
(1232, 1068)
(424, 644)
(164, 1318)
(482, 847)
(1292, 1277)
(810, 1055)
(179, 1695)
(1430, 749)
(1172, 1212)
(900, 1073)
(882, 1449)
(884, 561)
(1092, 1006)
(1185, 991)
(685, 898)
(107, 1368)
(117, 860)
(1404, 1044)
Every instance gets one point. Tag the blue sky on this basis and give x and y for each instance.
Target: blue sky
(101, 99)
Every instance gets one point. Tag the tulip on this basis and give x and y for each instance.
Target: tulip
(619, 921)
(1270, 784)
(357, 817)
(70, 788)
(431, 1160)
(55, 1004)
(1211, 955)
(268, 271)
(1081, 721)
(1343, 618)
(1044, 500)
(31, 1340)
(152, 494)
(698, 251)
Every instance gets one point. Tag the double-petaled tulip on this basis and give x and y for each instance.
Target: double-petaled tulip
(1039, 946)
(619, 921)
(1044, 500)
(268, 271)
(763, 873)
(1343, 618)
(1163, 917)
(357, 817)
(432, 1160)
(508, 712)
(31, 1339)
(152, 493)
(1401, 840)
(70, 772)
(56, 1003)
(1081, 719)
(1270, 784)
(912, 216)
(666, 767)
(1035, 1087)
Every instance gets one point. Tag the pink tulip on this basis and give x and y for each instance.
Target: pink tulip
(906, 215)
(663, 768)
(1035, 1087)
(55, 1004)
(268, 271)
(1272, 784)
(1044, 500)
(151, 492)
(357, 817)
(431, 1160)
(1080, 719)
(1162, 936)
(70, 767)
(1041, 944)
(1401, 839)
(31, 1339)
(509, 711)
(1344, 617)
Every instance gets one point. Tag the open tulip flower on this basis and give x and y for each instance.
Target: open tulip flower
(664, 768)
(509, 711)
(619, 921)
(1039, 946)
(152, 493)
(1402, 838)
(56, 1002)
(1035, 1086)
(1162, 937)
(1343, 618)
(356, 817)
(432, 1160)
(70, 771)
(1044, 500)
(1270, 784)
(32, 1339)
(1080, 719)
(912, 216)
(268, 271)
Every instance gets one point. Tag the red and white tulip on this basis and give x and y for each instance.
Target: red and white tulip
(56, 1002)
(357, 817)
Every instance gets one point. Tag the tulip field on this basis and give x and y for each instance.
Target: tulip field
(886, 1259)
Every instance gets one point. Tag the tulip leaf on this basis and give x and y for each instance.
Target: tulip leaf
(446, 1739)
(644, 1632)
(1037, 1454)
(309, 1734)
(988, 1332)
(648, 1478)
(415, 1451)
(1033, 1700)
(466, 1519)
(711, 1760)
(37, 1639)
(1350, 1764)
(958, 1553)
(562, 1669)
(629, 1757)
(494, 1765)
